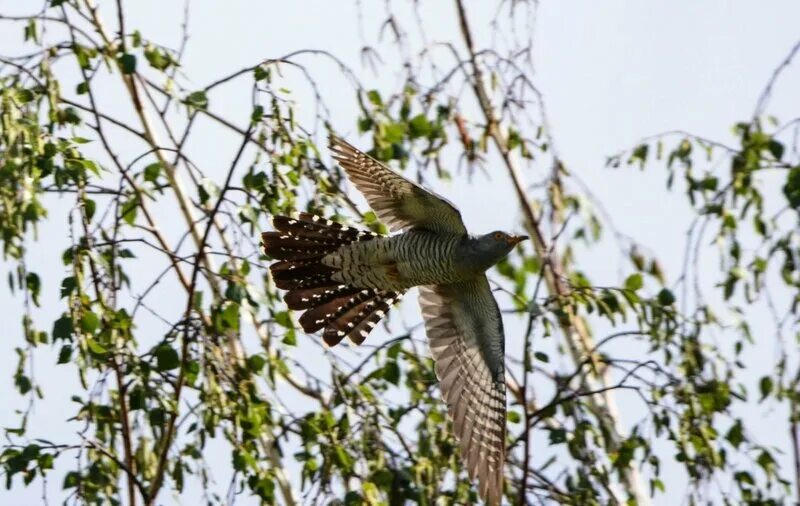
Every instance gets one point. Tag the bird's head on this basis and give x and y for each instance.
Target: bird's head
(488, 249)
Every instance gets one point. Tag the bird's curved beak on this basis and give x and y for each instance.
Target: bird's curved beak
(516, 239)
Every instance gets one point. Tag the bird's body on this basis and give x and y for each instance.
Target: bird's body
(406, 260)
(346, 280)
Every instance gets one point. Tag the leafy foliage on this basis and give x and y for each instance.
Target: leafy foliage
(178, 337)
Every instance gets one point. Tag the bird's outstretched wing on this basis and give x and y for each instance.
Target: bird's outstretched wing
(398, 202)
(465, 333)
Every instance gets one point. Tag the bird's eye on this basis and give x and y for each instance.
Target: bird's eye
(498, 236)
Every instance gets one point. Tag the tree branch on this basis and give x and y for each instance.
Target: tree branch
(575, 332)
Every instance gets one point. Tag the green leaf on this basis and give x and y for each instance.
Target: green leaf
(374, 97)
(130, 209)
(765, 386)
(156, 417)
(634, 282)
(127, 63)
(370, 217)
(767, 462)
(776, 148)
(264, 488)
(228, 317)
(257, 115)
(95, 347)
(760, 225)
(69, 115)
(639, 154)
(90, 166)
(261, 73)
(239, 460)
(65, 354)
(23, 383)
(72, 478)
(792, 187)
(736, 434)
(394, 351)
(24, 95)
(62, 328)
(513, 417)
(665, 297)
(256, 363)
(393, 133)
(30, 31)
(419, 126)
(235, 292)
(197, 99)
(541, 356)
(152, 171)
(34, 286)
(728, 286)
(191, 370)
(290, 338)
(391, 372)
(684, 149)
(136, 398)
(68, 285)
(344, 460)
(166, 357)
(743, 477)
(365, 124)
(90, 206)
(156, 58)
(89, 322)
(284, 320)
(557, 436)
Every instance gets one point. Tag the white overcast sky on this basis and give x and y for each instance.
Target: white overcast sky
(611, 73)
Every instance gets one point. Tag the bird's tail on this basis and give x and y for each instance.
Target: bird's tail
(299, 244)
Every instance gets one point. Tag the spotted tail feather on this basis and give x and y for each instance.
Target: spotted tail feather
(359, 321)
(341, 310)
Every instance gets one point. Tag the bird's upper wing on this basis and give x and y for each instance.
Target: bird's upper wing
(396, 201)
(465, 333)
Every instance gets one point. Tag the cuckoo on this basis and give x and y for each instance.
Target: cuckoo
(346, 280)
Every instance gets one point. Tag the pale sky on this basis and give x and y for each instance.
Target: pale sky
(611, 73)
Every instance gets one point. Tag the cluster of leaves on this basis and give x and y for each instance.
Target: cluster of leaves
(158, 382)
(758, 264)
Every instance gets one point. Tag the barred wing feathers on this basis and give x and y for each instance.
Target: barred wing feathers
(465, 333)
(398, 202)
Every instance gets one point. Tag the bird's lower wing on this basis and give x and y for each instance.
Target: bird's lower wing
(465, 333)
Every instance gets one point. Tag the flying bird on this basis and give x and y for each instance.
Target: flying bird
(346, 280)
